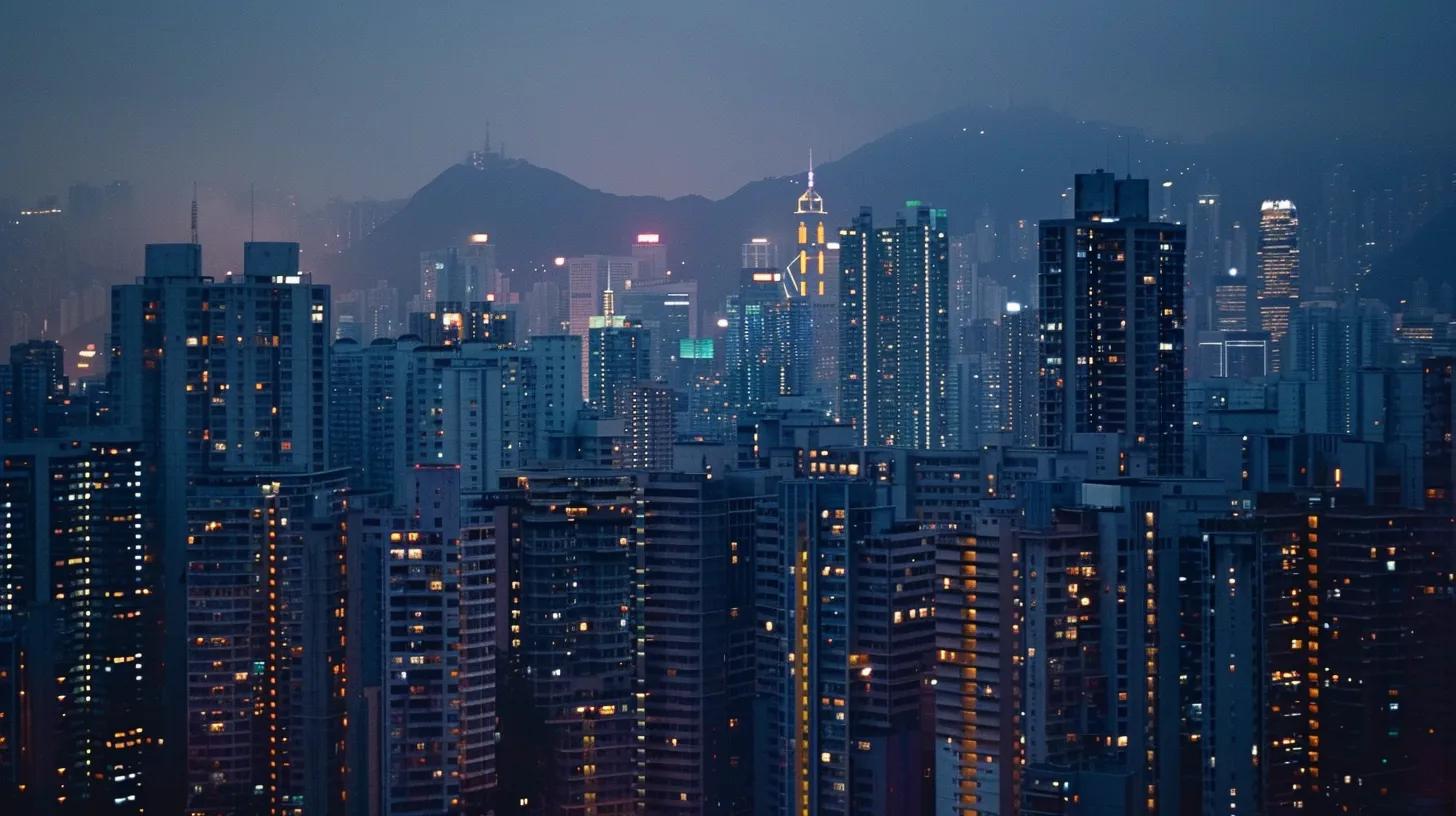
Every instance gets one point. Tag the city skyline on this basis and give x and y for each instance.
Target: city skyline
(1015, 461)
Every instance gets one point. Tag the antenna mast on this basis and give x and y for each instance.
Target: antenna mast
(194, 213)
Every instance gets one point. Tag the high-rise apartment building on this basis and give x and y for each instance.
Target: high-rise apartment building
(699, 647)
(215, 375)
(1112, 323)
(572, 709)
(426, 708)
(846, 590)
(895, 329)
(79, 727)
(266, 607)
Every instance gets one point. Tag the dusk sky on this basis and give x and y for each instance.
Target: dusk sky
(373, 98)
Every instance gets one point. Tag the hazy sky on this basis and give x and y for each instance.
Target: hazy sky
(374, 97)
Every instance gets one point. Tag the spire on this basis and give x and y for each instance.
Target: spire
(809, 201)
(608, 298)
(194, 213)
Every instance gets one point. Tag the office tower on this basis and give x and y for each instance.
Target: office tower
(847, 590)
(700, 629)
(587, 277)
(78, 619)
(646, 410)
(767, 348)
(811, 277)
(894, 329)
(979, 668)
(216, 375)
(620, 355)
(1112, 323)
(807, 275)
(1279, 284)
(1206, 269)
(542, 311)
(266, 590)
(650, 252)
(760, 253)
(669, 312)
(1331, 343)
(433, 629)
(37, 382)
(466, 273)
(572, 718)
(1231, 301)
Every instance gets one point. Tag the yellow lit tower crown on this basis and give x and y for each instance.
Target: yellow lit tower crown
(807, 268)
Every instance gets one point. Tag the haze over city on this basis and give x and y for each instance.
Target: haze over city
(753, 409)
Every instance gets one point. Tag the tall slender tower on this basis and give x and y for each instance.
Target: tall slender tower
(807, 269)
(1278, 270)
(1112, 323)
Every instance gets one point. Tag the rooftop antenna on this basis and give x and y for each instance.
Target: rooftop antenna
(811, 168)
(194, 213)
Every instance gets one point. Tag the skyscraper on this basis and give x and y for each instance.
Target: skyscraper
(1112, 323)
(1205, 259)
(79, 725)
(266, 681)
(851, 602)
(895, 329)
(768, 346)
(1278, 292)
(216, 375)
(431, 618)
(37, 382)
(573, 715)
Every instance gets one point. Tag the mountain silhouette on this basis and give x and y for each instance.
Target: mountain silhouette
(1007, 163)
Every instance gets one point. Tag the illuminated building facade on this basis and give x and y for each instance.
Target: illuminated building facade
(587, 277)
(894, 328)
(215, 374)
(572, 717)
(427, 708)
(646, 410)
(768, 347)
(1231, 302)
(619, 356)
(979, 668)
(1328, 632)
(845, 593)
(266, 633)
(79, 616)
(1111, 313)
(1278, 292)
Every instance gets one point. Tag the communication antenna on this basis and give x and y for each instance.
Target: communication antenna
(194, 213)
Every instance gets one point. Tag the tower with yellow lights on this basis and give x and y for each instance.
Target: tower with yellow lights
(808, 268)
